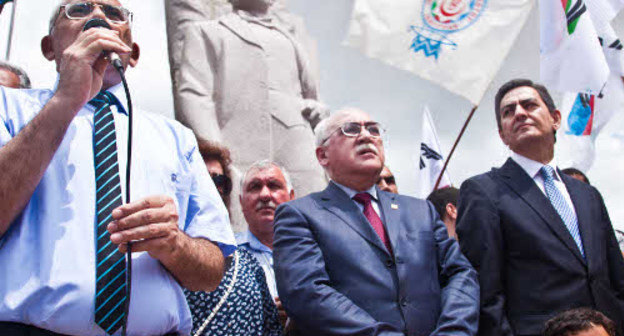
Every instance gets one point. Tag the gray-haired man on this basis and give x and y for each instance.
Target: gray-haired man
(13, 76)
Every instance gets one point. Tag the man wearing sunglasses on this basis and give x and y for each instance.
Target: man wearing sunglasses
(63, 228)
(355, 260)
(387, 182)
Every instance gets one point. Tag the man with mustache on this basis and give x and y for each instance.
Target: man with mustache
(541, 241)
(65, 223)
(355, 260)
(264, 186)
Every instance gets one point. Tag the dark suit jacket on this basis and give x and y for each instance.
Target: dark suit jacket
(529, 266)
(335, 277)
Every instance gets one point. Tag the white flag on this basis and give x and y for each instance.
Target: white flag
(458, 44)
(584, 116)
(571, 58)
(431, 159)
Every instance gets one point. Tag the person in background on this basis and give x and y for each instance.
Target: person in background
(13, 76)
(242, 304)
(445, 202)
(577, 174)
(580, 322)
(387, 182)
(264, 187)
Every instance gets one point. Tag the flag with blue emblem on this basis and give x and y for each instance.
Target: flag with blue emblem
(457, 44)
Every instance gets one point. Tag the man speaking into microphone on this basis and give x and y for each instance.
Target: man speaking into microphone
(64, 220)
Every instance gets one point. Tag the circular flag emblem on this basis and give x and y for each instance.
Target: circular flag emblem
(451, 15)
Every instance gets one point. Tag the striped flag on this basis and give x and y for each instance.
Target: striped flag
(431, 159)
(571, 57)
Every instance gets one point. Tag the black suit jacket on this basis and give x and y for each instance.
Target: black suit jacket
(335, 277)
(529, 266)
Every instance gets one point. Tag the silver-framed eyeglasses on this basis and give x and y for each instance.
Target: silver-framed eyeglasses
(353, 129)
(116, 14)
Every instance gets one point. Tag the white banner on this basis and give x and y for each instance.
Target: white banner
(458, 44)
(431, 159)
(571, 56)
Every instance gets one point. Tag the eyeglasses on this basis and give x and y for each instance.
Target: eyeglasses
(223, 183)
(81, 10)
(388, 179)
(353, 129)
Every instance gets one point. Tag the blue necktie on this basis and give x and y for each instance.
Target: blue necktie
(110, 287)
(562, 207)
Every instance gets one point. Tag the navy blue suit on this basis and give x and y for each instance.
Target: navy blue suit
(335, 277)
(529, 265)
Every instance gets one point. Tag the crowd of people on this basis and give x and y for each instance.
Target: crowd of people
(524, 249)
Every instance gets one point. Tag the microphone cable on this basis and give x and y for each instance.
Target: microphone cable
(119, 67)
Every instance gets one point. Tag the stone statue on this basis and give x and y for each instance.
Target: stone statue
(243, 80)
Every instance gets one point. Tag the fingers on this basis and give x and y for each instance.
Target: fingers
(152, 202)
(147, 245)
(90, 44)
(150, 231)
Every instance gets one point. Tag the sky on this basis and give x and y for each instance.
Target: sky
(347, 78)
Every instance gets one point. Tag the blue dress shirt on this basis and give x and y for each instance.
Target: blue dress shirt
(263, 254)
(47, 257)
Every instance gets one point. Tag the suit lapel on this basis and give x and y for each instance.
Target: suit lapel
(391, 216)
(583, 214)
(239, 27)
(519, 181)
(338, 202)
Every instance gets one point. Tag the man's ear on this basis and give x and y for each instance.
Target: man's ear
(451, 211)
(134, 55)
(292, 194)
(46, 48)
(556, 115)
(321, 156)
(500, 134)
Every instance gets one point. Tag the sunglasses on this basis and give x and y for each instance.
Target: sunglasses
(388, 179)
(223, 183)
(81, 10)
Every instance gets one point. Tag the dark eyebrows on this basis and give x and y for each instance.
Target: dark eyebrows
(522, 103)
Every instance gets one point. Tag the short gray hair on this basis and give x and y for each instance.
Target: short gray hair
(24, 81)
(327, 126)
(264, 165)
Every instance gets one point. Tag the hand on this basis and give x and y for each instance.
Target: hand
(314, 111)
(82, 66)
(151, 224)
(281, 311)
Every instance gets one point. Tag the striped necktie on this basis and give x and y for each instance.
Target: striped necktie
(562, 207)
(110, 285)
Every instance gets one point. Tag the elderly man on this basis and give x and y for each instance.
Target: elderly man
(355, 260)
(13, 76)
(541, 241)
(264, 186)
(62, 223)
(245, 82)
(387, 182)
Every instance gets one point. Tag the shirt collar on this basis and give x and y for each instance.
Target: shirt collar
(351, 192)
(254, 243)
(116, 90)
(533, 167)
(266, 20)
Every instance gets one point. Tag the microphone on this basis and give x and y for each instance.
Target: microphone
(112, 56)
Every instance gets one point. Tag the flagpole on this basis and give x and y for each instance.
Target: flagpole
(11, 24)
(448, 158)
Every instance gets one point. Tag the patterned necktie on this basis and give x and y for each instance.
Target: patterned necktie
(110, 287)
(562, 207)
(373, 218)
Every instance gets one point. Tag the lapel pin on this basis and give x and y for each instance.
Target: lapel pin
(394, 206)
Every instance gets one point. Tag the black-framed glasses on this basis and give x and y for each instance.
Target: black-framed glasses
(116, 14)
(223, 183)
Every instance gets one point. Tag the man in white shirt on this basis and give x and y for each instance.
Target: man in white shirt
(541, 241)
